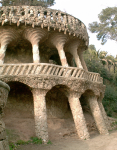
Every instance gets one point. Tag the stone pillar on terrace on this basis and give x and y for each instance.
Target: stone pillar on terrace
(34, 35)
(72, 48)
(103, 112)
(6, 36)
(40, 115)
(80, 53)
(58, 40)
(78, 115)
(96, 112)
(4, 90)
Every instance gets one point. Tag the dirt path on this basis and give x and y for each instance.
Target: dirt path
(97, 142)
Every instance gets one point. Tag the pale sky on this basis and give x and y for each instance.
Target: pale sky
(87, 11)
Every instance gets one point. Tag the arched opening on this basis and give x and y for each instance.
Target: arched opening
(18, 113)
(20, 52)
(91, 125)
(60, 120)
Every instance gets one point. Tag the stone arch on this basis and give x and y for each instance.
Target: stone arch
(19, 112)
(60, 120)
(7, 35)
(86, 110)
(55, 59)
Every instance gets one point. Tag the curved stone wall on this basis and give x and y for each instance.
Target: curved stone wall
(44, 17)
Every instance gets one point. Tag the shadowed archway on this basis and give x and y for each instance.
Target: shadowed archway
(19, 116)
(60, 120)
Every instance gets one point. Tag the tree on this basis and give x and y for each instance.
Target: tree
(106, 28)
(44, 3)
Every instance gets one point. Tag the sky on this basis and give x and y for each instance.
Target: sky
(87, 11)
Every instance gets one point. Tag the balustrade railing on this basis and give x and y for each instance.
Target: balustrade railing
(48, 69)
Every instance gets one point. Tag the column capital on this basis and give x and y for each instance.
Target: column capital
(74, 94)
(40, 91)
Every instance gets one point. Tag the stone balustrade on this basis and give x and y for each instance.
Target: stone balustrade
(49, 70)
(44, 17)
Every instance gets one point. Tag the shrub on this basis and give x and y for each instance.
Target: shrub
(110, 100)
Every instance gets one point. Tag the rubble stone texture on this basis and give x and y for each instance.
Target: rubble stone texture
(4, 90)
(39, 47)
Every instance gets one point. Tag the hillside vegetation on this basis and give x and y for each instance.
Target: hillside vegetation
(106, 65)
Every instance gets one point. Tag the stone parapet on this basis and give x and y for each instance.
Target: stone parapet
(44, 17)
(49, 70)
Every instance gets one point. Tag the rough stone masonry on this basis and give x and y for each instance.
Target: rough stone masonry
(43, 48)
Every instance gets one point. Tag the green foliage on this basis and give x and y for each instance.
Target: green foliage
(12, 146)
(49, 142)
(44, 3)
(94, 64)
(21, 142)
(35, 140)
(101, 63)
(92, 47)
(110, 100)
(106, 28)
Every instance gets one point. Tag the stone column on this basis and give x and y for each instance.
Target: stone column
(62, 55)
(40, 115)
(72, 48)
(77, 59)
(4, 90)
(34, 35)
(35, 51)
(2, 53)
(80, 53)
(103, 113)
(59, 40)
(96, 112)
(78, 115)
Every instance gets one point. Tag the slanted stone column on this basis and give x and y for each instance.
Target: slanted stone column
(77, 59)
(104, 113)
(80, 53)
(72, 48)
(78, 115)
(40, 115)
(96, 112)
(59, 40)
(62, 55)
